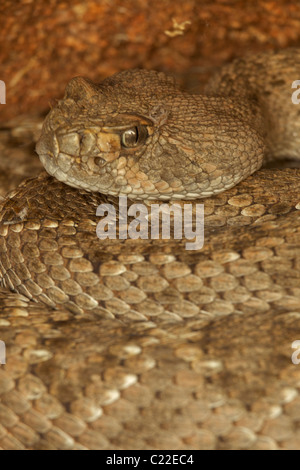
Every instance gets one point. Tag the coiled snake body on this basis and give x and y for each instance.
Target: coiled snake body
(142, 344)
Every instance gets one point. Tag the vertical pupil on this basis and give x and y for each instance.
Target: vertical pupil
(132, 136)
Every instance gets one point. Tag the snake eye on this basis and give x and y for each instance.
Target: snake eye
(134, 136)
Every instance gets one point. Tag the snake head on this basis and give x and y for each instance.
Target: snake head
(138, 134)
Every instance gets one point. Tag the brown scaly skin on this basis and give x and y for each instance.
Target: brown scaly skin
(184, 156)
(194, 146)
(140, 344)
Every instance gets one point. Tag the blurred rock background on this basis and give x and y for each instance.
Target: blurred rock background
(45, 43)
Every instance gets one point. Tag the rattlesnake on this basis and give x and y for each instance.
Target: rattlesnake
(142, 344)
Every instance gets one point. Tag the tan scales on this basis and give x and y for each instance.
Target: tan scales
(141, 344)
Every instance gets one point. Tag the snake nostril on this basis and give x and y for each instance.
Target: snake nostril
(100, 162)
